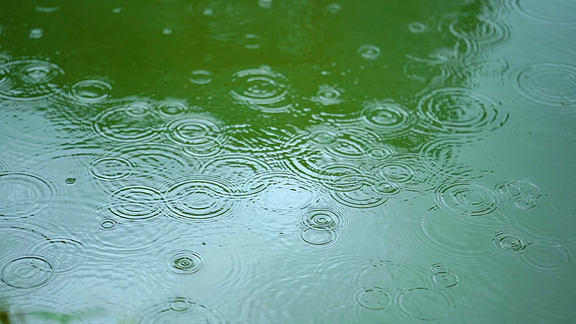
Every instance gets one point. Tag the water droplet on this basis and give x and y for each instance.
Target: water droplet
(333, 8)
(116, 10)
(322, 218)
(167, 31)
(328, 95)
(369, 52)
(27, 272)
(522, 194)
(24, 194)
(70, 181)
(36, 33)
(417, 27)
(445, 279)
(266, 4)
(509, 243)
(184, 262)
(437, 268)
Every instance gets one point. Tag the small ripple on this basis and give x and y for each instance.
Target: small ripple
(445, 279)
(354, 143)
(328, 95)
(459, 110)
(425, 304)
(241, 168)
(27, 272)
(24, 194)
(183, 262)
(108, 224)
(179, 310)
(554, 12)
(411, 172)
(261, 89)
(343, 176)
(437, 268)
(510, 242)
(522, 194)
(369, 52)
(200, 198)
(386, 116)
(374, 298)
(199, 135)
(464, 199)
(318, 236)
(418, 27)
(90, 91)
(200, 77)
(426, 72)
(550, 84)
(482, 30)
(172, 108)
(136, 203)
(28, 80)
(111, 168)
(130, 122)
(546, 256)
(323, 218)
(65, 254)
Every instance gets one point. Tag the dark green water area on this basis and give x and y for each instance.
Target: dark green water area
(287, 161)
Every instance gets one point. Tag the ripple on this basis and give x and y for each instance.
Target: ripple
(24, 194)
(437, 268)
(369, 52)
(426, 72)
(91, 91)
(448, 157)
(136, 203)
(261, 89)
(510, 242)
(386, 116)
(172, 108)
(444, 279)
(108, 224)
(179, 310)
(318, 236)
(550, 84)
(65, 254)
(323, 137)
(411, 172)
(425, 304)
(200, 135)
(28, 80)
(111, 168)
(522, 194)
(200, 77)
(27, 272)
(555, 11)
(546, 256)
(199, 198)
(343, 177)
(480, 29)
(466, 199)
(354, 143)
(131, 122)
(183, 262)
(328, 95)
(458, 110)
(322, 218)
(418, 27)
(279, 191)
(17, 240)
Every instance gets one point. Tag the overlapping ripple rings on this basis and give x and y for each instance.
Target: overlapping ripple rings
(459, 110)
(180, 310)
(29, 80)
(24, 194)
(386, 117)
(26, 272)
(522, 194)
(466, 199)
(199, 135)
(550, 84)
(478, 28)
(555, 12)
(128, 122)
(261, 89)
(66, 254)
(90, 91)
(136, 203)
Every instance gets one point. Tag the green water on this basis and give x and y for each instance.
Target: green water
(287, 161)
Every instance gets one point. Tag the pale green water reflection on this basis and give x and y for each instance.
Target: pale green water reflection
(269, 161)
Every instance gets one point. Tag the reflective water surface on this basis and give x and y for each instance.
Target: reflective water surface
(287, 161)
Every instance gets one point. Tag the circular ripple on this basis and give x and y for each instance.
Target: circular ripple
(27, 272)
(180, 310)
(417, 27)
(477, 28)
(523, 194)
(550, 84)
(458, 110)
(328, 95)
(200, 77)
(374, 298)
(201, 136)
(322, 218)
(425, 303)
(318, 236)
(354, 143)
(411, 172)
(546, 256)
(108, 224)
(200, 199)
(23, 194)
(555, 11)
(261, 89)
(426, 72)
(386, 116)
(28, 80)
(369, 52)
(510, 243)
(111, 168)
(131, 122)
(323, 137)
(183, 262)
(65, 254)
(437, 268)
(466, 199)
(445, 279)
(172, 108)
(136, 203)
(242, 168)
(279, 191)
(91, 91)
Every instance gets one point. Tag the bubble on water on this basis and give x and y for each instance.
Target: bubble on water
(510, 242)
(458, 110)
(547, 256)
(418, 27)
(550, 84)
(369, 52)
(116, 10)
(180, 310)
(65, 254)
(167, 31)
(26, 272)
(36, 33)
(322, 218)
(24, 194)
(200, 77)
(522, 194)
(425, 304)
(131, 122)
(28, 80)
(374, 298)
(261, 89)
(200, 198)
(386, 116)
(183, 262)
(200, 135)
(464, 199)
(560, 12)
(318, 236)
(136, 203)
(111, 168)
(482, 30)
(91, 91)
(328, 95)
